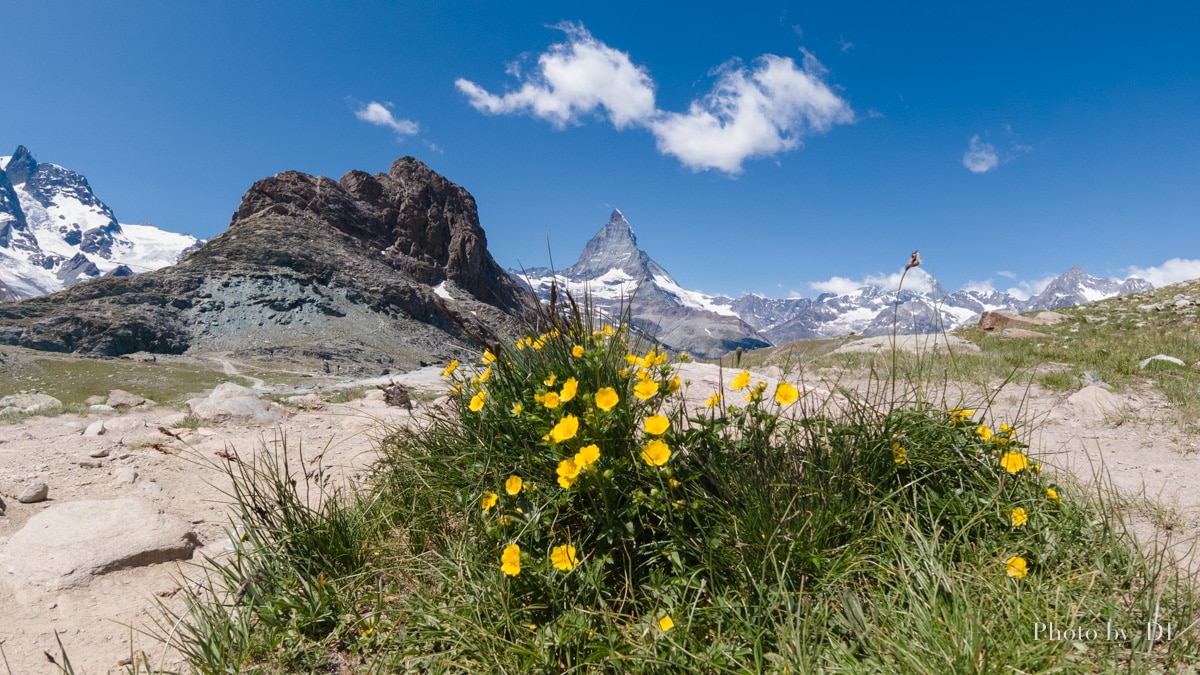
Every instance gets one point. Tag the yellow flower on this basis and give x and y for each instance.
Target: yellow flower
(1007, 430)
(631, 359)
(551, 380)
(587, 455)
(983, 432)
(660, 359)
(1016, 567)
(505, 521)
(656, 453)
(517, 408)
(665, 624)
(568, 390)
(607, 398)
(477, 401)
(713, 400)
(899, 454)
(786, 394)
(566, 429)
(741, 381)
(1018, 517)
(450, 368)
(673, 483)
(568, 473)
(577, 351)
(642, 374)
(563, 557)
(510, 560)
(513, 485)
(537, 344)
(483, 377)
(673, 385)
(645, 389)
(488, 356)
(608, 331)
(1052, 494)
(656, 425)
(1014, 461)
(550, 400)
(960, 414)
(520, 345)
(457, 388)
(489, 500)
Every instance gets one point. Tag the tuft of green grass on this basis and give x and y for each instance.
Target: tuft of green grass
(571, 513)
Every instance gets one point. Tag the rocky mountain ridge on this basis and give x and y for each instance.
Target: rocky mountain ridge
(55, 232)
(365, 271)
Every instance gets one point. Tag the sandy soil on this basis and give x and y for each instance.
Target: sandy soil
(1126, 438)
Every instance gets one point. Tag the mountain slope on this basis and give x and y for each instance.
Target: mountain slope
(612, 267)
(309, 268)
(55, 232)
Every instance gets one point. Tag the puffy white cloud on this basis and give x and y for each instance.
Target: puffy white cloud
(758, 111)
(1006, 274)
(980, 157)
(1025, 290)
(984, 286)
(574, 78)
(836, 285)
(917, 281)
(754, 112)
(1171, 272)
(379, 115)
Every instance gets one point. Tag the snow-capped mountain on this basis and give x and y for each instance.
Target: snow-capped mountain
(55, 232)
(612, 267)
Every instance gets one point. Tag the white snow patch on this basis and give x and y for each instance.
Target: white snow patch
(441, 291)
(693, 299)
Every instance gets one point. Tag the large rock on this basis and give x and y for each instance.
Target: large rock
(68, 544)
(231, 401)
(992, 320)
(28, 404)
(119, 398)
(1095, 403)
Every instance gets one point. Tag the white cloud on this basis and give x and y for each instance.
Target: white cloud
(572, 79)
(1006, 274)
(379, 115)
(917, 281)
(751, 112)
(1171, 272)
(984, 286)
(980, 157)
(1027, 289)
(836, 285)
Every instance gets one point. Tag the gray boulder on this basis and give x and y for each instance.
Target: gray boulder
(69, 544)
(230, 401)
(28, 404)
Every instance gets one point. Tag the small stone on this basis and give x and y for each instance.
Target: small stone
(2, 507)
(1159, 357)
(95, 429)
(101, 408)
(126, 477)
(34, 493)
(100, 453)
(95, 400)
(90, 464)
(151, 486)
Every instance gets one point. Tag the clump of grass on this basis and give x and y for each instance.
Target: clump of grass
(574, 513)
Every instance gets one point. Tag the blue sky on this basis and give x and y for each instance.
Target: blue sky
(778, 148)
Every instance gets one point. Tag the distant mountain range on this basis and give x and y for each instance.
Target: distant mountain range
(369, 266)
(55, 232)
(612, 267)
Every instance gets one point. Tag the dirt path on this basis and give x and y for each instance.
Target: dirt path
(1128, 437)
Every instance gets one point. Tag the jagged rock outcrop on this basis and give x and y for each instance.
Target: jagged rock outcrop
(356, 270)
